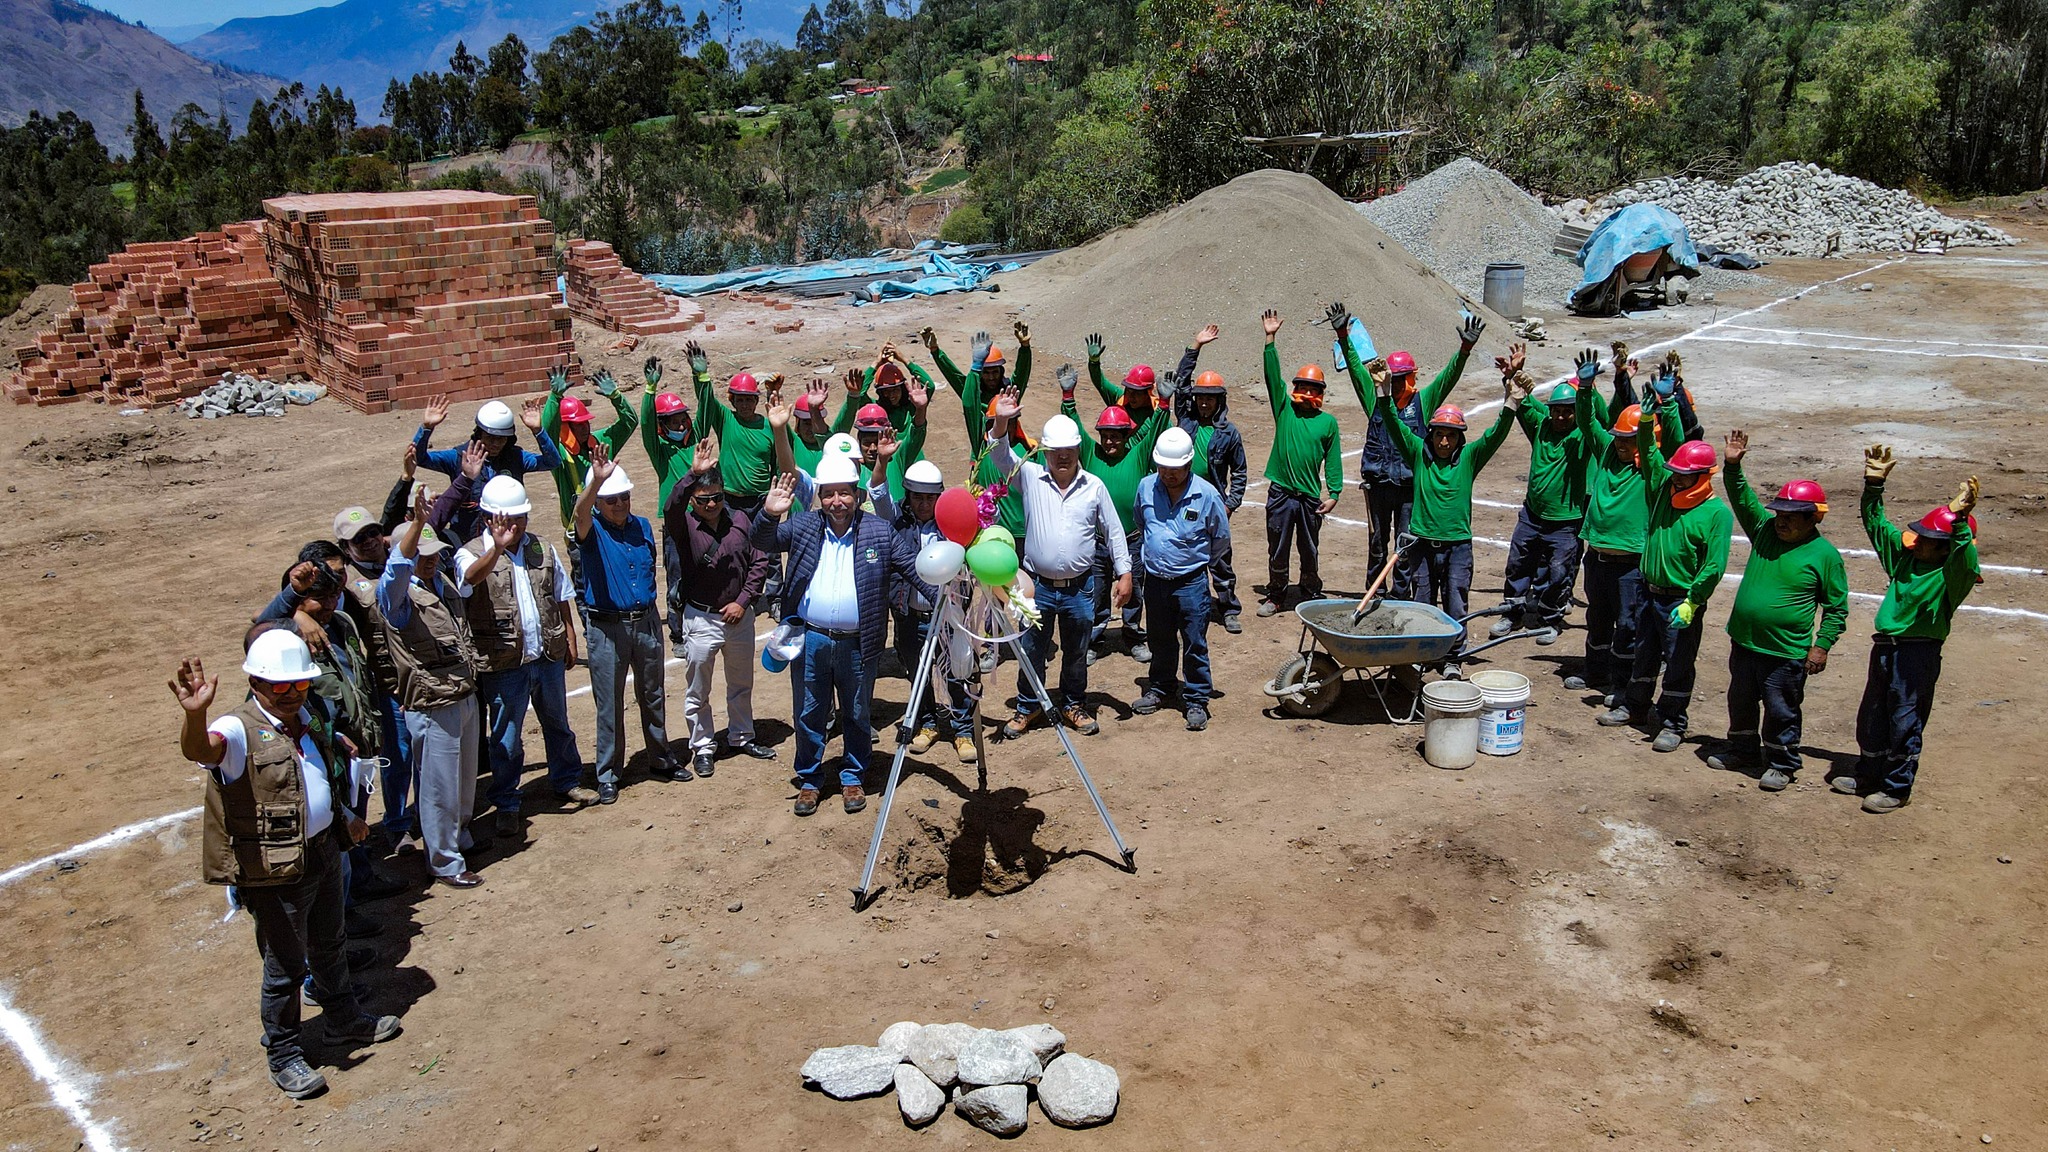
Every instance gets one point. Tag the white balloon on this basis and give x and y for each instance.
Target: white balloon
(940, 561)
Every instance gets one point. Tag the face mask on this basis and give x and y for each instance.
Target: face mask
(1694, 494)
(676, 437)
(1308, 397)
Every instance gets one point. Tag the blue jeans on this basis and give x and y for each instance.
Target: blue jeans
(1673, 650)
(1179, 606)
(1105, 578)
(1543, 564)
(833, 669)
(397, 773)
(505, 696)
(1897, 698)
(1072, 610)
(911, 633)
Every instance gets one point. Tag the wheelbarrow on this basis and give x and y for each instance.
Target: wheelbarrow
(1405, 640)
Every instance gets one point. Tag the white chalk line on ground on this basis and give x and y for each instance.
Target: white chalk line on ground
(65, 1090)
(1871, 348)
(1889, 339)
(117, 836)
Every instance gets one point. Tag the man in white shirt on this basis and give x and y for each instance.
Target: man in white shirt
(1067, 512)
(274, 828)
(517, 597)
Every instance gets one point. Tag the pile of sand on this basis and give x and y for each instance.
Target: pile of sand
(1268, 239)
(37, 311)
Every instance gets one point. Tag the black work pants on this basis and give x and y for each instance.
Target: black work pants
(1387, 508)
(1661, 645)
(299, 929)
(1293, 522)
(1897, 698)
(1765, 696)
(1543, 563)
(1614, 606)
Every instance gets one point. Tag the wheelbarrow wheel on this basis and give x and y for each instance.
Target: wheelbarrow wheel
(1317, 669)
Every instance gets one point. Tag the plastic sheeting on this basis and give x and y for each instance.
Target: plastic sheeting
(1636, 230)
(941, 275)
(932, 270)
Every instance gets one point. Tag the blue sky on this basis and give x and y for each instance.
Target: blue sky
(170, 13)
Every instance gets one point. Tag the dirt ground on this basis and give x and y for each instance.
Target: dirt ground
(1325, 942)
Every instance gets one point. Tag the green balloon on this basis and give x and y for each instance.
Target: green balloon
(997, 532)
(993, 562)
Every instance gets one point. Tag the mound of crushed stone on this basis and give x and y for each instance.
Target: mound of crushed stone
(1266, 239)
(1464, 216)
(1795, 209)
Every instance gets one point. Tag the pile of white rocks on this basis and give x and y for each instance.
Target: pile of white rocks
(1795, 209)
(238, 394)
(988, 1075)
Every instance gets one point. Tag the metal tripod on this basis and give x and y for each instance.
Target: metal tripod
(923, 679)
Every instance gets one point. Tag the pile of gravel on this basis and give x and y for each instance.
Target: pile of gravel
(1795, 209)
(238, 394)
(1464, 216)
(988, 1075)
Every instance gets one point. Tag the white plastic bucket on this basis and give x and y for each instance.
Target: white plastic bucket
(1505, 699)
(1450, 723)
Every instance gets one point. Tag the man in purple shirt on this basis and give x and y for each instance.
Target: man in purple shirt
(716, 575)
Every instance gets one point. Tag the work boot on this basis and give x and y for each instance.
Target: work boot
(1668, 740)
(1080, 721)
(1231, 625)
(1616, 717)
(1882, 802)
(298, 1080)
(1733, 758)
(1501, 627)
(1141, 652)
(1847, 785)
(376, 887)
(853, 798)
(1575, 683)
(1268, 607)
(1549, 635)
(1148, 703)
(806, 801)
(510, 826)
(1774, 780)
(963, 746)
(357, 926)
(607, 793)
(578, 795)
(925, 738)
(365, 1029)
(1021, 723)
(1198, 718)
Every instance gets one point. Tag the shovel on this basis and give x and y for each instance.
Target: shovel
(1370, 602)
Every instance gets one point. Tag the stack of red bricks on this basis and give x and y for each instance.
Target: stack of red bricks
(403, 296)
(159, 322)
(603, 291)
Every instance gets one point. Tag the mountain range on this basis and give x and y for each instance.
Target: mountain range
(56, 55)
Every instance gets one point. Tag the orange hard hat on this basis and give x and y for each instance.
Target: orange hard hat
(1449, 416)
(1208, 384)
(994, 358)
(1630, 419)
(1310, 374)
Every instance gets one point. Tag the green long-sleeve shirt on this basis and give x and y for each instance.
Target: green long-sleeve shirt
(1443, 488)
(1122, 475)
(974, 409)
(909, 450)
(671, 458)
(899, 418)
(1923, 596)
(569, 473)
(1684, 547)
(1617, 518)
(746, 448)
(1783, 585)
(1557, 466)
(1305, 457)
(1431, 395)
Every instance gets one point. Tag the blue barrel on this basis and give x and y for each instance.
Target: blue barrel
(1503, 291)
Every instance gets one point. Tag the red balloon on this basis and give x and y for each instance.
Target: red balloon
(958, 518)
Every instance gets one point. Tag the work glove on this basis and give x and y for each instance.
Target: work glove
(651, 371)
(1469, 334)
(981, 345)
(1339, 319)
(1588, 366)
(1683, 614)
(1094, 344)
(1664, 384)
(1966, 498)
(1068, 379)
(1877, 463)
(700, 364)
(558, 379)
(606, 385)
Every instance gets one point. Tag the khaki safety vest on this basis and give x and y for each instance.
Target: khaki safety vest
(493, 606)
(254, 830)
(433, 654)
(369, 621)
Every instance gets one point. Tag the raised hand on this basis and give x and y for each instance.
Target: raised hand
(929, 338)
(436, 411)
(606, 385)
(409, 460)
(1008, 405)
(1271, 322)
(1516, 359)
(1209, 332)
(1734, 446)
(856, 382)
(419, 504)
(1022, 331)
(1877, 463)
(1519, 386)
(818, 391)
(981, 344)
(601, 463)
(1093, 345)
(529, 414)
(505, 532)
(781, 494)
(919, 395)
(700, 364)
(651, 372)
(1620, 350)
(703, 458)
(301, 576)
(1382, 379)
(890, 351)
(558, 379)
(771, 381)
(473, 459)
(1069, 380)
(1338, 317)
(1468, 333)
(1966, 497)
(193, 687)
(885, 447)
(779, 412)
(1586, 365)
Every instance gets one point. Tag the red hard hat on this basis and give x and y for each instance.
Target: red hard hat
(1113, 417)
(871, 418)
(1801, 496)
(1140, 376)
(802, 405)
(1630, 419)
(744, 384)
(1940, 524)
(1310, 374)
(1693, 458)
(887, 375)
(1400, 364)
(1448, 416)
(573, 411)
(669, 404)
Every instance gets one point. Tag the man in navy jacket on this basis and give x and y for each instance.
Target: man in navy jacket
(842, 563)
(1201, 406)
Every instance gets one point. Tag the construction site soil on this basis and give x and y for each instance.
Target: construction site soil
(1326, 943)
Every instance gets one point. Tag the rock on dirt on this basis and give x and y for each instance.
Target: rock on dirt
(896, 1037)
(935, 1049)
(920, 1100)
(1003, 1109)
(851, 1071)
(997, 1058)
(1077, 1092)
(1044, 1040)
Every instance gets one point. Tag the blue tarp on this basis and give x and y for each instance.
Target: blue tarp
(1633, 230)
(941, 275)
(1361, 340)
(932, 270)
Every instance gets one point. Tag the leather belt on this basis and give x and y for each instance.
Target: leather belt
(1664, 590)
(835, 633)
(1057, 582)
(627, 614)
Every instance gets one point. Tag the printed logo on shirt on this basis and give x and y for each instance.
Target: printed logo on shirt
(1188, 514)
(870, 555)
(265, 737)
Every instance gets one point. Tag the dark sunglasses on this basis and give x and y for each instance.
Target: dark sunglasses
(708, 498)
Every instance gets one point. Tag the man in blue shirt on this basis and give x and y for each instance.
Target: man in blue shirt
(842, 563)
(617, 550)
(1185, 526)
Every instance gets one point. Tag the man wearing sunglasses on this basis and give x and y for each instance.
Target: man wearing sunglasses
(275, 827)
(716, 575)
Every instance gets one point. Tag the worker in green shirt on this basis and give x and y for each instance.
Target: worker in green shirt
(1685, 553)
(873, 425)
(1543, 552)
(1439, 562)
(666, 430)
(886, 378)
(746, 444)
(568, 420)
(978, 389)
(1305, 469)
(1793, 572)
(1931, 567)
(1119, 455)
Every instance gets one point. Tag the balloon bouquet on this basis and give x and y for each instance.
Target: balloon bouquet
(992, 609)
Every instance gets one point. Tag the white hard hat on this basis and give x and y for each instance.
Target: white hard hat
(280, 657)
(841, 444)
(617, 484)
(923, 476)
(506, 496)
(495, 417)
(1061, 432)
(836, 469)
(1175, 449)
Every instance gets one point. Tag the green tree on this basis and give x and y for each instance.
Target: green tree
(1876, 97)
(502, 106)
